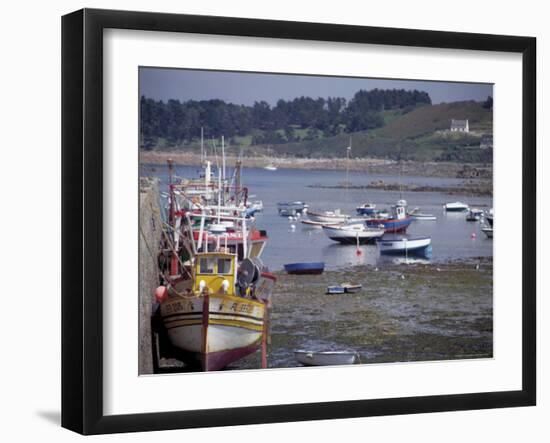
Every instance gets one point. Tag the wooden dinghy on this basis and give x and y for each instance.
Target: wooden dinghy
(326, 358)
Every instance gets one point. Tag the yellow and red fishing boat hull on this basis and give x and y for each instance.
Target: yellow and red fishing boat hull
(214, 330)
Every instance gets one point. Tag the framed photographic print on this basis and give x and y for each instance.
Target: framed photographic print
(270, 221)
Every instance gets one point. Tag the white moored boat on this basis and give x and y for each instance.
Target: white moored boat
(328, 216)
(326, 358)
(421, 216)
(456, 207)
(353, 234)
(406, 246)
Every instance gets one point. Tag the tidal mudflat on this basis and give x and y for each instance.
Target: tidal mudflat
(404, 313)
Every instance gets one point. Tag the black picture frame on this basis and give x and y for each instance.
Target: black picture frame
(82, 218)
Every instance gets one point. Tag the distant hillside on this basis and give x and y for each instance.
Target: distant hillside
(415, 135)
(418, 132)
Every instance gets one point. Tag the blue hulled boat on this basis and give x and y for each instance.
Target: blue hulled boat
(305, 268)
(398, 222)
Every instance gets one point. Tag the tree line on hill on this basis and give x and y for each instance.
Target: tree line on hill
(302, 118)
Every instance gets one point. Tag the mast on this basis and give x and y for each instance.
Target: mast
(202, 145)
(172, 219)
(237, 179)
(223, 159)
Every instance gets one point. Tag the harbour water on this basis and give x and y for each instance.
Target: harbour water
(291, 241)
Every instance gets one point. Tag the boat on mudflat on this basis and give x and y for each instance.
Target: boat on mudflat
(305, 268)
(220, 316)
(353, 234)
(326, 358)
(344, 288)
(419, 246)
(456, 207)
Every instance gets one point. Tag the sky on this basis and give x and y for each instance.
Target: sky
(246, 88)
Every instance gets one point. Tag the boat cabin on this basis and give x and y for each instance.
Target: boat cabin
(215, 271)
(399, 212)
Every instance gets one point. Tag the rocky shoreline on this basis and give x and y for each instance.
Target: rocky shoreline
(479, 188)
(367, 165)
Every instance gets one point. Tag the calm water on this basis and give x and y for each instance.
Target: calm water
(291, 241)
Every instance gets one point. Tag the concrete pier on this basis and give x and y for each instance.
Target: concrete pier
(150, 233)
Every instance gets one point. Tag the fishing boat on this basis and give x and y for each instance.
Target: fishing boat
(366, 209)
(398, 222)
(353, 234)
(419, 246)
(292, 208)
(326, 358)
(456, 207)
(328, 216)
(215, 292)
(220, 315)
(216, 235)
(488, 231)
(270, 167)
(305, 268)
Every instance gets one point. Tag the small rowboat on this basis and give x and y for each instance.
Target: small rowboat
(344, 288)
(353, 234)
(335, 289)
(456, 207)
(305, 268)
(351, 288)
(419, 246)
(326, 358)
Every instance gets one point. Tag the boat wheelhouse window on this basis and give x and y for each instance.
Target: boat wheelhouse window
(207, 265)
(224, 266)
